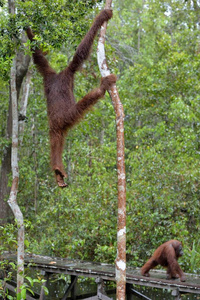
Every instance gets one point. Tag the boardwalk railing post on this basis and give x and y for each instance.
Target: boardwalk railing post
(45, 284)
(176, 294)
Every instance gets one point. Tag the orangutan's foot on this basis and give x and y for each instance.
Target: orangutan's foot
(60, 178)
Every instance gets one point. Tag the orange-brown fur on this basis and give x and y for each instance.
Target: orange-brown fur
(166, 255)
(63, 111)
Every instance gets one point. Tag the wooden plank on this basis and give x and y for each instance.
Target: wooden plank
(107, 272)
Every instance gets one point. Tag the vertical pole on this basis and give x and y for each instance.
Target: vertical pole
(119, 112)
(74, 288)
(121, 230)
(12, 201)
(176, 294)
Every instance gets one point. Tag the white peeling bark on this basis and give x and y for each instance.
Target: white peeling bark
(12, 201)
(24, 104)
(119, 112)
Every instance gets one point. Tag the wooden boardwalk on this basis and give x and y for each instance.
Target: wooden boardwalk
(76, 268)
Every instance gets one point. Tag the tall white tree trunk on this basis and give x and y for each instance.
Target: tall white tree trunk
(119, 112)
(12, 201)
(24, 104)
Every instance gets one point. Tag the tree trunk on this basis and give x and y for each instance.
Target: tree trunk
(12, 201)
(22, 64)
(34, 153)
(5, 212)
(119, 112)
(23, 105)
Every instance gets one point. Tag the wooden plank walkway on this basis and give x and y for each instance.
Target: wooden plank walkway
(77, 268)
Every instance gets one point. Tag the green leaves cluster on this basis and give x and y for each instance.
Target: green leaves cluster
(28, 287)
(8, 242)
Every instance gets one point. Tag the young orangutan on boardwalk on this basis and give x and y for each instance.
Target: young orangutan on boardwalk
(63, 111)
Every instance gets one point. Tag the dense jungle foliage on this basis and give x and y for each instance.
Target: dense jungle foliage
(154, 49)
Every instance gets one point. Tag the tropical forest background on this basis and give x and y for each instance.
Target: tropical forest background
(154, 49)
